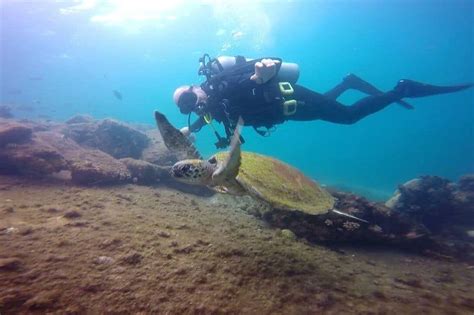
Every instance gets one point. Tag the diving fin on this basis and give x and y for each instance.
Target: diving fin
(410, 88)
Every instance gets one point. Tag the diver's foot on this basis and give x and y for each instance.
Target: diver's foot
(356, 83)
(410, 88)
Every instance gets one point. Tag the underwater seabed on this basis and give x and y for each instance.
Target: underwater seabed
(130, 248)
(85, 227)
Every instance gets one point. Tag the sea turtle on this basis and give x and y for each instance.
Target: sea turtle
(279, 184)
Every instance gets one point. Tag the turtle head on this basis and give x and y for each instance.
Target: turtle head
(194, 171)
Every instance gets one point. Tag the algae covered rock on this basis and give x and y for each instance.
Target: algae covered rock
(381, 226)
(80, 119)
(156, 152)
(13, 132)
(87, 166)
(33, 158)
(110, 136)
(463, 198)
(435, 202)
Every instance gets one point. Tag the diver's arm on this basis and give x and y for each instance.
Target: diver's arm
(198, 124)
(195, 126)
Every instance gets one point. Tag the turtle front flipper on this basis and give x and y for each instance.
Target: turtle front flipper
(174, 140)
(229, 168)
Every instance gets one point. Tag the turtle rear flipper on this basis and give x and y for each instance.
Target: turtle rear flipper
(229, 168)
(344, 214)
(174, 140)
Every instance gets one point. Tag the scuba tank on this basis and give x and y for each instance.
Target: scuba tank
(288, 72)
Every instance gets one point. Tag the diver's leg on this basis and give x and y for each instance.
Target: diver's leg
(337, 91)
(312, 105)
(351, 81)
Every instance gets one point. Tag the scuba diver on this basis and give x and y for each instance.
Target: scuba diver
(264, 93)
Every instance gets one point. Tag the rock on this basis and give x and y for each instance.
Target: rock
(145, 173)
(386, 226)
(132, 258)
(156, 152)
(463, 201)
(466, 183)
(72, 214)
(111, 243)
(79, 119)
(109, 136)
(9, 264)
(43, 300)
(13, 132)
(437, 203)
(428, 200)
(97, 169)
(87, 166)
(13, 298)
(416, 283)
(35, 158)
(103, 260)
(288, 234)
(164, 234)
(8, 210)
(9, 230)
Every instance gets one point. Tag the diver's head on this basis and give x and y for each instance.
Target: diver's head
(189, 98)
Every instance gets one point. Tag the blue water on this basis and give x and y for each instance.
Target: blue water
(59, 58)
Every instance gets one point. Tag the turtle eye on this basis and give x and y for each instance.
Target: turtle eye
(212, 160)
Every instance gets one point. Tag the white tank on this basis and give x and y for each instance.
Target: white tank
(289, 71)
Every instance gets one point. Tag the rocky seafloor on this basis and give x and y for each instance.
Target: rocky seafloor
(90, 223)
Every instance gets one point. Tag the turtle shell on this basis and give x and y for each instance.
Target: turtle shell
(281, 185)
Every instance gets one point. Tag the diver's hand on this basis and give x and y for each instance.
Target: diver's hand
(264, 70)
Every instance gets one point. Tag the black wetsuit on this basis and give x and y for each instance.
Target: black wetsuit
(257, 111)
(313, 105)
(262, 105)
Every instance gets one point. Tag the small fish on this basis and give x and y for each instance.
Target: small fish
(117, 94)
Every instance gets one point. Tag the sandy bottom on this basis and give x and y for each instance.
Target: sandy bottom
(134, 249)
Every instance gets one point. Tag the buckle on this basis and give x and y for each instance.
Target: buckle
(285, 88)
(289, 107)
(207, 118)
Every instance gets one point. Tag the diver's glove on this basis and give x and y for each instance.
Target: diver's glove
(265, 70)
(185, 131)
(188, 134)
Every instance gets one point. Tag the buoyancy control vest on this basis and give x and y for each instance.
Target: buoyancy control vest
(232, 94)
